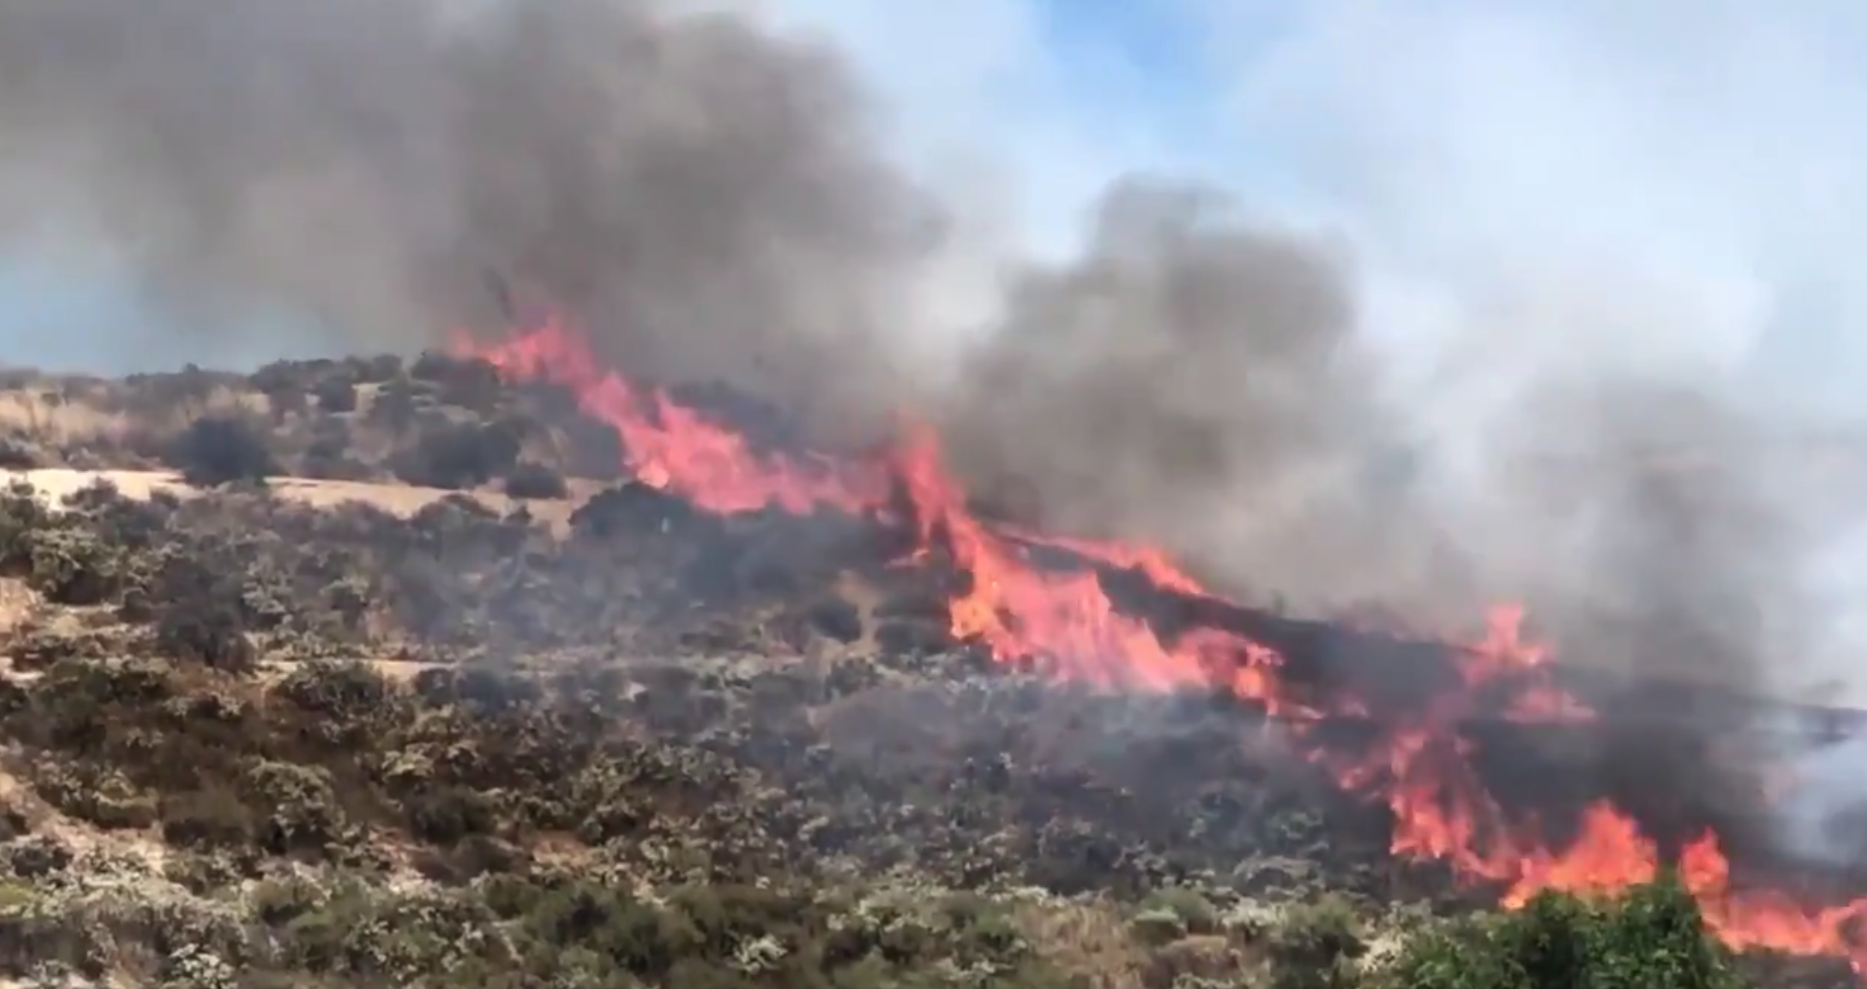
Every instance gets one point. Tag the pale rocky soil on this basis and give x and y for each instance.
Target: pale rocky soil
(54, 483)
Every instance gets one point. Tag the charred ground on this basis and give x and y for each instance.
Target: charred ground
(543, 726)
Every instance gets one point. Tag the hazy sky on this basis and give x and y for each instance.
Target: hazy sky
(1665, 181)
(1661, 181)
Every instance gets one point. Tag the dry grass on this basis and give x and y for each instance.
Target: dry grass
(47, 418)
(1201, 958)
(1091, 939)
(17, 603)
(66, 414)
(1094, 939)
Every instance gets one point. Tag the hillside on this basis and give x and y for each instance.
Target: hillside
(364, 673)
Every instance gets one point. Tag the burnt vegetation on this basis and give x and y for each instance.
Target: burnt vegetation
(255, 741)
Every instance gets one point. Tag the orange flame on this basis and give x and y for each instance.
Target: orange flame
(1764, 918)
(1066, 624)
(672, 447)
(1064, 620)
(1152, 562)
(1607, 855)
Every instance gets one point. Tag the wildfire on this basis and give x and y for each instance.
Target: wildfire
(1065, 620)
(1765, 919)
(672, 447)
(1065, 623)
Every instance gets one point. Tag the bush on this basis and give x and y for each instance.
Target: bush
(282, 378)
(393, 409)
(206, 604)
(303, 810)
(19, 453)
(446, 815)
(467, 382)
(73, 567)
(1194, 912)
(338, 693)
(375, 370)
(95, 793)
(1319, 946)
(207, 631)
(208, 818)
(458, 456)
(277, 902)
(216, 450)
(535, 481)
(329, 459)
(335, 395)
(1652, 936)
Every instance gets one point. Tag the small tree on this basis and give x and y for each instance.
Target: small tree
(219, 449)
(335, 394)
(459, 456)
(533, 480)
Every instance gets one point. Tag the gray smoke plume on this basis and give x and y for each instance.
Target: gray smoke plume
(706, 197)
(714, 204)
(1658, 526)
(1195, 378)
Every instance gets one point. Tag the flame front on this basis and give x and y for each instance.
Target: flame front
(1066, 624)
(1064, 620)
(670, 446)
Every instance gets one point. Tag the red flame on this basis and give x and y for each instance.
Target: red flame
(672, 447)
(1067, 625)
(1065, 620)
(1763, 918)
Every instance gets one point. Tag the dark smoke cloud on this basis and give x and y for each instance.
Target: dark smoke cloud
(1195, 377)
(705, 195)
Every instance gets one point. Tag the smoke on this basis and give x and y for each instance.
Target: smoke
(711, 198)
(717, 202)
(1614, 264)
(1194, 377)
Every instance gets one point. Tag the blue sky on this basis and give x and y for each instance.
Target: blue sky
(1134, 56)
(45, 317)
(58, 318)
(1678, 184)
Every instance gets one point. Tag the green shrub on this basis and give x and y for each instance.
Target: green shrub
(1652, 937)
(1318, 946)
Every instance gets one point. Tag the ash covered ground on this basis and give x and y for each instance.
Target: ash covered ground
(368, 672)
